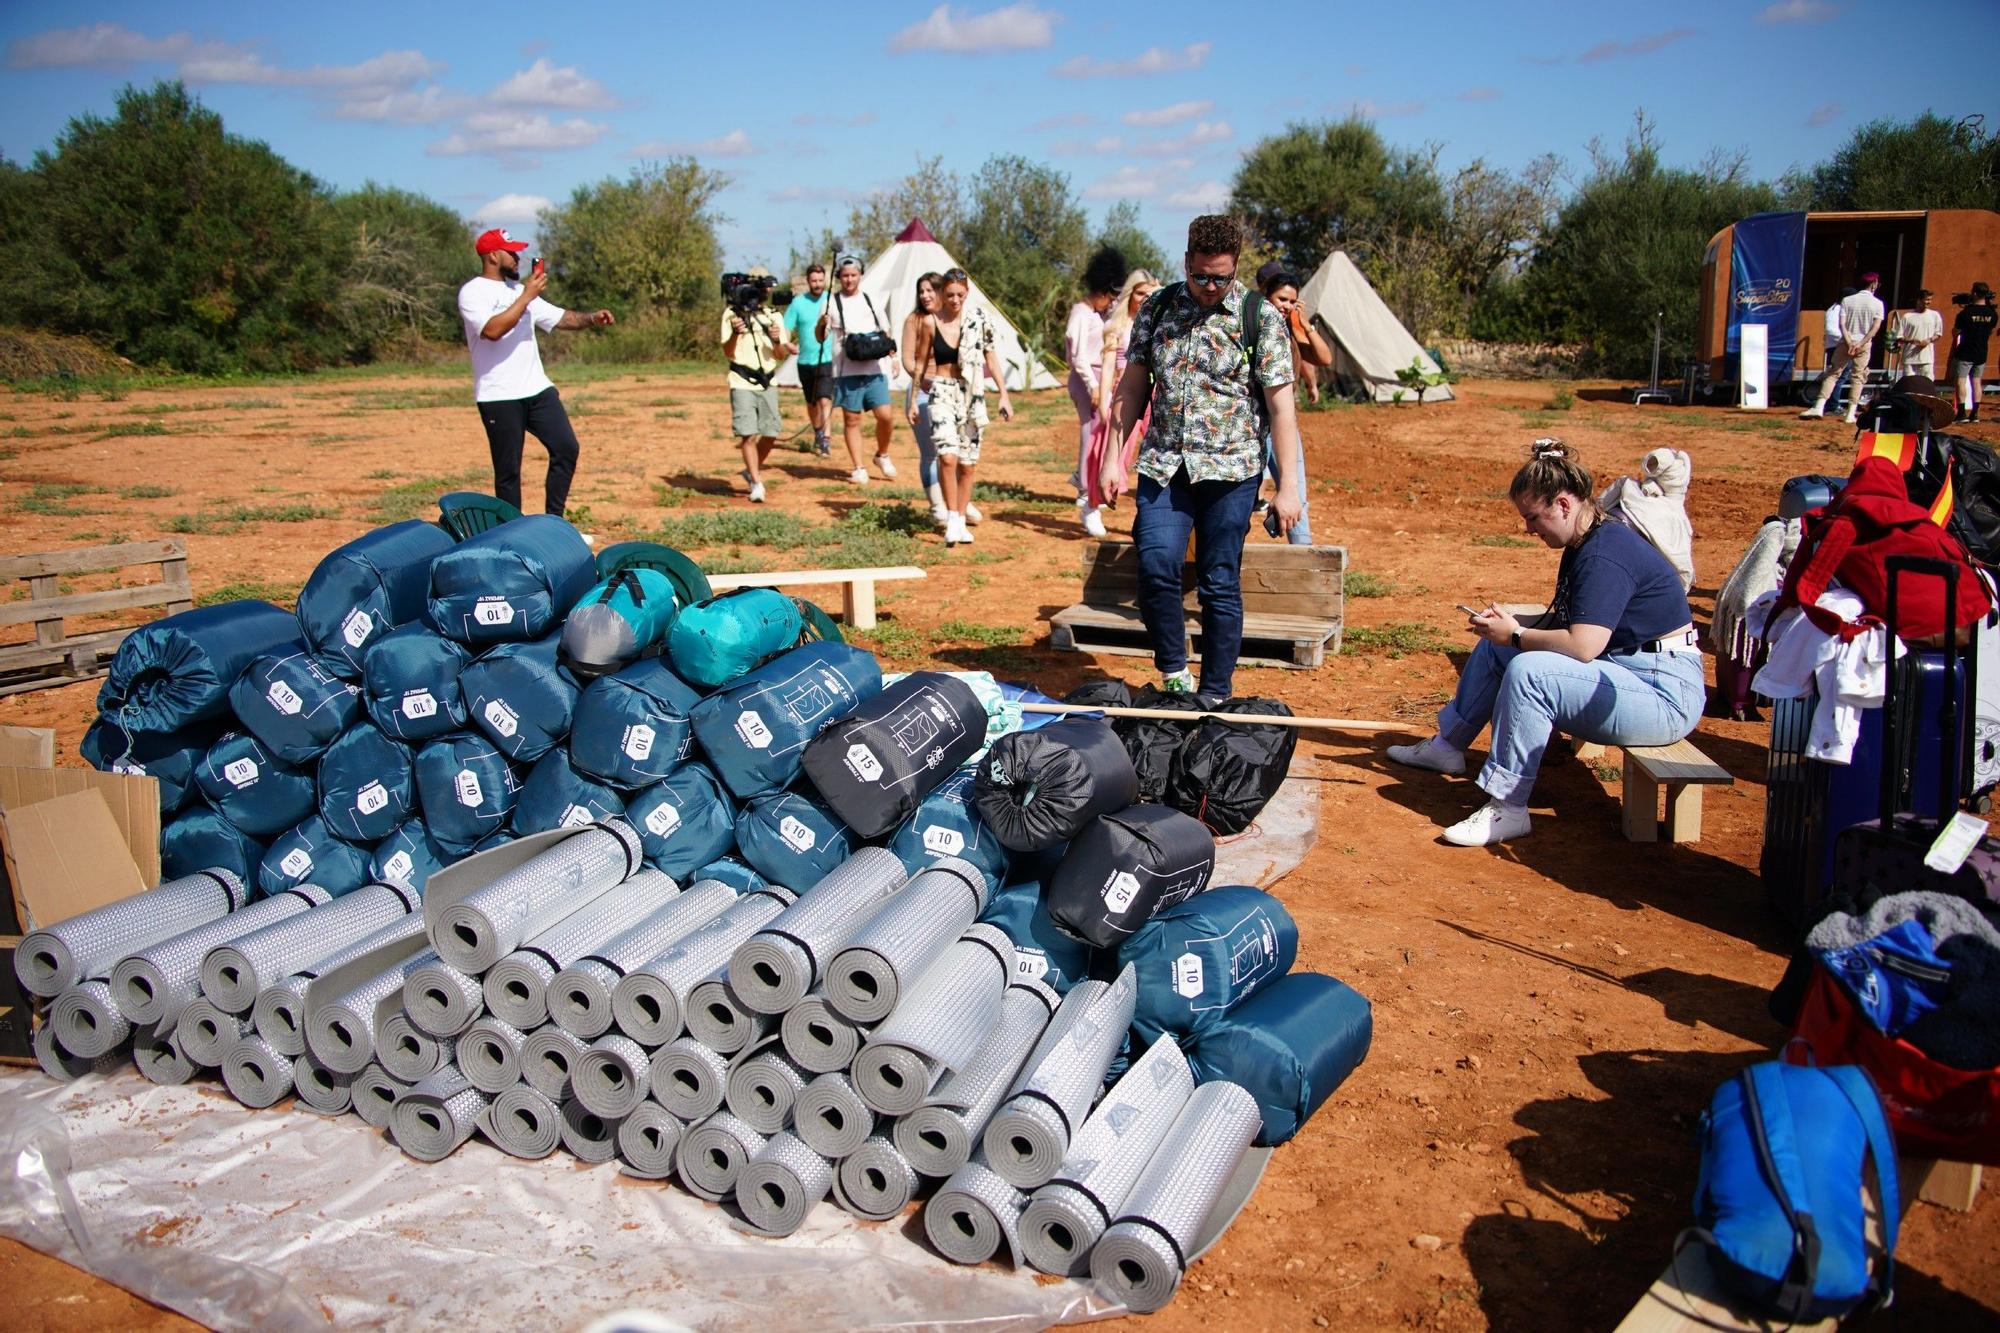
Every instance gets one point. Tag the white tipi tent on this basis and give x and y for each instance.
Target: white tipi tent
(1369, 343)
(891, 283)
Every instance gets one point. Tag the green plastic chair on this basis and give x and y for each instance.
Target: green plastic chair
(466, 514)
(690, 584)
(819, 625)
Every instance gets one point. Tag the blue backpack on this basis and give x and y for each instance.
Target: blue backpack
(1778, 1200)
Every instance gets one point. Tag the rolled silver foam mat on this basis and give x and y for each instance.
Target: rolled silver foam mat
(280, 1011)
(611, 1077)
(829, 1116)
(773, 969)
(433, 1118)
(1142, 1256)
(442, 1000)
(87, 1022)
(548, 1057)
(717, 1018)
(762, 1088)
(973, 1214)
(409, 1053)
(233, 974)
(155, 983)
(650, 1004)
(489, 1055)
(818, 1039)
(1029, 1135)
(517, 985)
(1066, 1217)
(51, 960)
(495, 919)
(939, 1025)
(778, 1187)
(647, 1139)
(341, 1032)
(904, 936)
(875, 1181)
(579, 999)
(320, 1089)
(157, 1053)
(205, 1032)
(689, 1079)
(255, 1074)
(524, 1123)
(713, 1152)
(940, 1136)
(376, 1093)
(588, 1136)
(60, 1064)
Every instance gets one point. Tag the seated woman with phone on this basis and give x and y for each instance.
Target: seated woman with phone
(1614, 659)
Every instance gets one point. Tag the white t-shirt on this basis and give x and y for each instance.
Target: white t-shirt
(1859, 315)
(860, 318)
(1832, 326)
(1919, 331)
(508, 367)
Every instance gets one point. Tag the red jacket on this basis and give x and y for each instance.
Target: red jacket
(1852, 539)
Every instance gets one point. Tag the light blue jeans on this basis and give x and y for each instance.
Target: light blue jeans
(1622, 699)
(927, 464)
(1302, 531)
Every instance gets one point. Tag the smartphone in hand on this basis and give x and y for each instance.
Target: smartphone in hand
(1469, 611)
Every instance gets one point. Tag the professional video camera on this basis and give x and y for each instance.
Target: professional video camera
(746, 293)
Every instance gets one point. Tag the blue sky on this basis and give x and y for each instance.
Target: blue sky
(494, 109)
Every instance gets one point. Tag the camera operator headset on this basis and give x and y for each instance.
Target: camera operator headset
(746, 294)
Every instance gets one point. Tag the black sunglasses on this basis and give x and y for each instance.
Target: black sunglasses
(1211, 280)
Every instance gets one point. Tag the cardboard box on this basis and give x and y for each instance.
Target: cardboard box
(74, 839)
(27, 747)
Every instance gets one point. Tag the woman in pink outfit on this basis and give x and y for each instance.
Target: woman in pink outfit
(1139, 285)
(1083, 347)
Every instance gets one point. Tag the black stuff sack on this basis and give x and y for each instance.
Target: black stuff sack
(555, 795)
(1153, 742)
(1196, 962)
(792, 839)
(1037, 788)
(467, 789)
(1225, 773)
(1290, 1045)
(1041, 952)
(511, 583)
(875, 766)
(756, 731)
(409, 683)
(367, 784)
(252, 788)
(201, 839)
(1126, 867)
(295, 703)
(946, 824)
(362, 590)
(521, 697)
(685, 821)
(632, 729)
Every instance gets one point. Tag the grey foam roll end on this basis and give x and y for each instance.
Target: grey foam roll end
(157, 1054)
(205, 1032)
(875, 1181)
(779, 1186)
(936, 1139)
(610, 1078)
(646, 1009)
(1137, 1267)
(1058, 1228)
(647, 1139)
(489, 1055)
(829, 1116)
(973, 1214)
(58, 1063)
(689, 1079)
(280, 1016)
(408, 1053)
(443, 1001)
(341, 1037)
(255, 1074)
(762, 1089)
(817, 1038)
(87, 1022)
(717, 1018)
(893, 1079)
(435, 1117)
(1025, 1142)
(712, 1154)
(321, 1089)
(770, 973)
(588, 1136)
(548, 1057)
(524, 1123)
(516, 988)
(376, 1091)
(579, 999)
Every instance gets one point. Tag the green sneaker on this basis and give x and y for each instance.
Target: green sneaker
(1180, 682)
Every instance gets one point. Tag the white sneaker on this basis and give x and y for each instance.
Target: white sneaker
(1849, 419)
(1178, 682)
(954, 530)
(972, 514)
(1432, 754)
(1093, 521)
(1812, 413)
(1496, 821)
(757, 493)
(886, 465)
(859, 476)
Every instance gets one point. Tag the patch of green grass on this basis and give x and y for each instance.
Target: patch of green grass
(671, 414)
(1394, 640)
(382, 474)
(404, 400)
(146, 492)
(100, 538)
(1500, 539)
(1561, 399)
(1360, 583)
(734, 527)
(231, 517)
(339, 439)
(1016, 496)
(1608, 772)
(891, 639)
(252, 404)
(52, 499)
(871, 534)
(254, 590)
(1328, 402)
(971, 631)
(121, 428)
(578, 515)
(734, 564)
(418, 498)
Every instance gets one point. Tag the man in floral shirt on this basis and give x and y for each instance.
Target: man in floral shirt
(1203, 456)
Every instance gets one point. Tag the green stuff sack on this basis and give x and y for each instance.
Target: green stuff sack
(714, 642)
(617, 621)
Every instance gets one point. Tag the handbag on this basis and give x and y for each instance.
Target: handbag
(870, 346)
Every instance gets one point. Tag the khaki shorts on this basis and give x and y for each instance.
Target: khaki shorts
(753, 411)
(956, 420)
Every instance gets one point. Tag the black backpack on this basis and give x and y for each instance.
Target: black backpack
(1974, 473)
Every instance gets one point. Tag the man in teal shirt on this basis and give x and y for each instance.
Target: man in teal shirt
(815, 357)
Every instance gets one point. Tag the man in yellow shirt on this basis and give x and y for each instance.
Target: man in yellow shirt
(753, 342)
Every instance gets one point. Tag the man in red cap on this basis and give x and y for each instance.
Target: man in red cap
(1860, 320)
(515, 398)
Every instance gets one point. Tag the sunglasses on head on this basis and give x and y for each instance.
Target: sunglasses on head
(1211, 280)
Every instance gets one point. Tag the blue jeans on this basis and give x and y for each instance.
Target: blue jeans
(927, 467)
(1217, 514)
(1302, 531)
(1622, 699)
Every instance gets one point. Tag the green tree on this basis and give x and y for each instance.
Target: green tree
(1121, 231)
(1336, 185)
(181, 244)
(1929, 162)
(930, 192)
(645, 248)
(411, 254)
(1026, 239)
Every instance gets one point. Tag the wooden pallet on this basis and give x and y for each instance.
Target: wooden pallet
(56, 657)
(1292, 604)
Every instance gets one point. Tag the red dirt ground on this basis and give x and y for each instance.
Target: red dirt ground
(1550, 1018)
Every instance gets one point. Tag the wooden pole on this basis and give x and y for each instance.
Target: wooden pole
(1244, 719)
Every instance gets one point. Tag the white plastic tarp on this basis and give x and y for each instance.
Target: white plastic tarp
(1369, 343)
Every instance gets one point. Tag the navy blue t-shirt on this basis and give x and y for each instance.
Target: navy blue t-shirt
(1617, 579)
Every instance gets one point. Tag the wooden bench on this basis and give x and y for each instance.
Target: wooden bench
(857, 586)
(1292, 604)
(57, 657)
(1683, 770)
(1689, 1296)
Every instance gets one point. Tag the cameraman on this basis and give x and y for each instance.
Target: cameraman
(753, 342)
(1970, 333)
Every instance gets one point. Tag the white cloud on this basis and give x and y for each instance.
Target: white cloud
(1798, 11)
(514, 137)
(1639, 46)
(511, 208)
(94, 44)
(1480, 94)
(426, 106)
(813, 194)
(1205, 197)
(113, 44)
(1125, 183)
(1107, 143)
(1075, 120)
(1371, 109)
(1016, 27)
(543, 84)
(1153, 60)
(1824, 114)
(1160, 117)
(736, 143)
